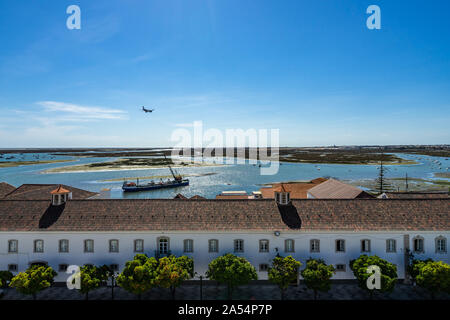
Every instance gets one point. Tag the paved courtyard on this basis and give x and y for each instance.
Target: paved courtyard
(218, 292)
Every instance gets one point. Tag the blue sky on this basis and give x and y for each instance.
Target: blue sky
(311, 69)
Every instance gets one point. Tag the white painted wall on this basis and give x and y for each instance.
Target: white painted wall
(201, 255)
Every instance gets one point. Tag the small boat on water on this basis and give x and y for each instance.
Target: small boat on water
(177, 181)
(133, 187)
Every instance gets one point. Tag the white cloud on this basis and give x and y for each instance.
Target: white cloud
(74, 112)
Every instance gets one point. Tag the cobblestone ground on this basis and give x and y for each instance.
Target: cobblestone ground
(215, 292)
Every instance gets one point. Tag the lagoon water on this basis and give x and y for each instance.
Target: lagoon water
(210, 180)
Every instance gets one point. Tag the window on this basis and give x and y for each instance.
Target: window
(340, 267)
(88, 245)
(138, 245)
(418, 244)
(263, 245)
(314, 245)
(114, 245)
(63, 245)
(238, 245)
(62, 267)
(278, 197)
(12, 267)
(340, 245)
(441, 245)
(264, 267)
(365, 245)
(391, 245)
(38, 246)
(213, 245)
(289, 245)
(163, 245)
(188, 245)
(13, 246)
(114, 267)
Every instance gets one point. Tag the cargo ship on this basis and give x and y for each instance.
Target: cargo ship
(177, 181)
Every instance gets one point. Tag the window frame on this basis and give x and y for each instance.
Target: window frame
(59, 246)
(235, 247)
(436, 244)
(13, 264)
(9, 245)
(86, 247)
(261, 269)
(363, 244)
(340, 270)
(35, 242)
(160, 241)
(286, 241)
(262, 243)
(111, 247)
(414, 244)
(216, 244)
(186, 248)
(62, 264)
(336, 245)
(394, 241)
(135, 247)
(311, 242)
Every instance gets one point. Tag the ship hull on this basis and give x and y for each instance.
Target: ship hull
(155, 186)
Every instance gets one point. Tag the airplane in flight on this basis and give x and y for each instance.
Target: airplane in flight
(147, 110)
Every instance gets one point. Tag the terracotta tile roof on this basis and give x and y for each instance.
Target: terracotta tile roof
(334, 189)
(5, 188)
(196, 197)
(179, 196)
(232, 196)
(59, 190)
(43, 191)
(226, 215)
(415, 195)
(296, 189)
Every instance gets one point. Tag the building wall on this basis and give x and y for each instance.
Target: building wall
(101, 254)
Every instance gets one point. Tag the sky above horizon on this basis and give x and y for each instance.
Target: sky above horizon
(311, 69)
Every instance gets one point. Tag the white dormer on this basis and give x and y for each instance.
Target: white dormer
(60, 196)
(282, 196)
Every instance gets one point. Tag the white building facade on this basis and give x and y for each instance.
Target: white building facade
(78, 232)
(60, 249)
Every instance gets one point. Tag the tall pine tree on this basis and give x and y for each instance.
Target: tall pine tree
(381, 184)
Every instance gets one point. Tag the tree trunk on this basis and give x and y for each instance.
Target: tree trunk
(87, 296)
(315, 294)
(34, 296)
(172, 291)
(139, 296)
(282, 294)
(230, 292)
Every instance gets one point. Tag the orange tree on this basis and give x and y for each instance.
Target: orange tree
(139, 275)
(434, 276)
(33, 280)
(232, 271)
(172, 271)
(317, 275)
(283, 272)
